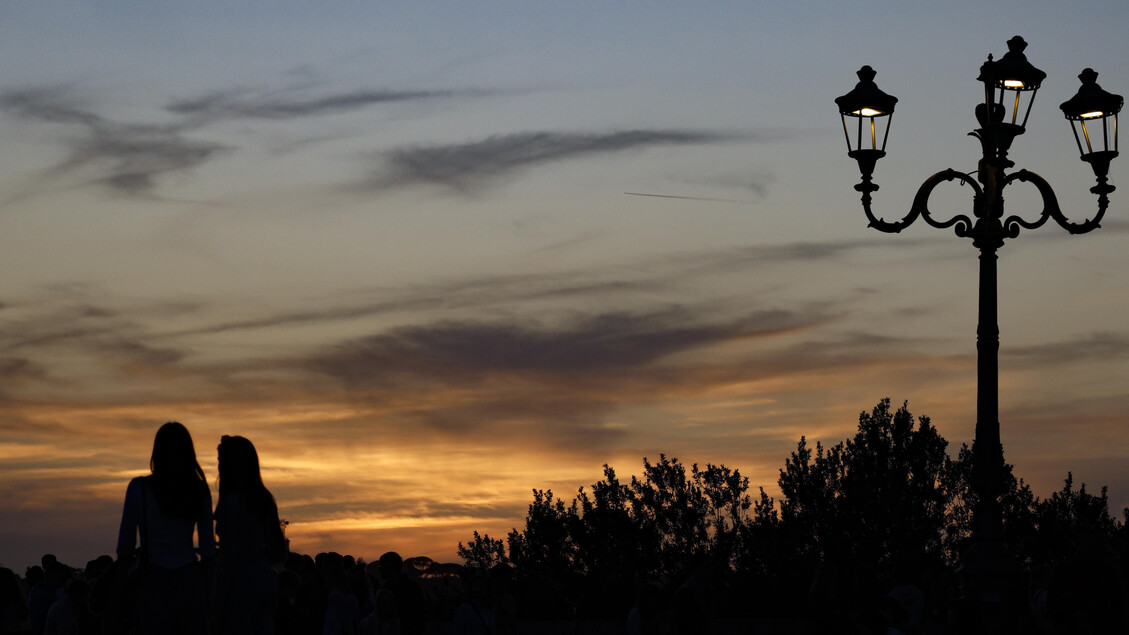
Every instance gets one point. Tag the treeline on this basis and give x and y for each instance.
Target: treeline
(886, 507)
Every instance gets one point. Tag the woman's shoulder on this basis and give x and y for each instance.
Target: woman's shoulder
(137, 482)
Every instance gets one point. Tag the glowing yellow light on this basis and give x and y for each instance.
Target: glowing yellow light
(1013, 83)
(867, 112)
(1091, 115)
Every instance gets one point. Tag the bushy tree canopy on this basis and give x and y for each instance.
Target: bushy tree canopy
(872, 498)
(886, 497)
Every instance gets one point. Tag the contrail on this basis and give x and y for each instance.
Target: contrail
(689, 198)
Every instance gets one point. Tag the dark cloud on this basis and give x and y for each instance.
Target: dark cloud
(137, 354)
(13, 371)
(535, 383)
(57, 324)
(55, 104)
(458, 294)
(707, 199)
(133, 157)
(70, 322)
(648, 278)
(12, 368)
(804, 251)
(468, 166)
(1094, 347)
(604, 343)
(127, 158)
(220, 106)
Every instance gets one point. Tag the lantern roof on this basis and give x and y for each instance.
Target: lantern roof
(1091, 101)
(866, 100)
(1012, 71)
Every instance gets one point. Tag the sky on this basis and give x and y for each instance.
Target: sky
(429, 256)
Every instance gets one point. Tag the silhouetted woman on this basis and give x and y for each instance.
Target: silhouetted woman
(250, 536)
(164, 508)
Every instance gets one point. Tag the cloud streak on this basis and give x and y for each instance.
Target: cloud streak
(131, 158)
(127, 158)
(1096, 346)
(601, 343)
(465, 167)
(221, 106)
(649, 277)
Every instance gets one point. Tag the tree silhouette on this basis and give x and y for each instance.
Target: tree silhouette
(672, 514)
(727, 496)
(483, 552)
(1068, 518)
(883, 503)
(873, 499)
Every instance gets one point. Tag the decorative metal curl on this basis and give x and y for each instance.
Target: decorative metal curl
(921, 207)
(1051, 209)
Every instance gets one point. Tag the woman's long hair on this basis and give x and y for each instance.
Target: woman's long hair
(239, 472)
(178, 482)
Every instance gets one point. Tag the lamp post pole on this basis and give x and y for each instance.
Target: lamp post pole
(1009, 89)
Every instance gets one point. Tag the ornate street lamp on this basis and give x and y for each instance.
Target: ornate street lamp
(1010, 85)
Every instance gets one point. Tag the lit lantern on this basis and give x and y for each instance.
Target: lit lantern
(872, 109)
(1010, 84)
(1093, 117)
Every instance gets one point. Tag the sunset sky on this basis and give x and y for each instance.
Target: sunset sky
(429, 256)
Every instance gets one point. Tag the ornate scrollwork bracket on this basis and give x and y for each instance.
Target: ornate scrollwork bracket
(1051, 209)
(964, 226)
(920, 207)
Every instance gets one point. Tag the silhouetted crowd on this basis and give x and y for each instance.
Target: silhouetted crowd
(329, 594)
(334, 594)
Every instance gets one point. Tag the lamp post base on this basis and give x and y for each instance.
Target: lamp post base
(991, 595)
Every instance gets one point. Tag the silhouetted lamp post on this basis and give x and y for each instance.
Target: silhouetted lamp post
(1010, 85)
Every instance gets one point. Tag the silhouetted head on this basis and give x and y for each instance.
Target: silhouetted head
(97, 567)
(34, 575)
(178, 481)
(391, 564)
(9, 586)
(239, 472)
(174, 454)
(57, 574)
(239, 465)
